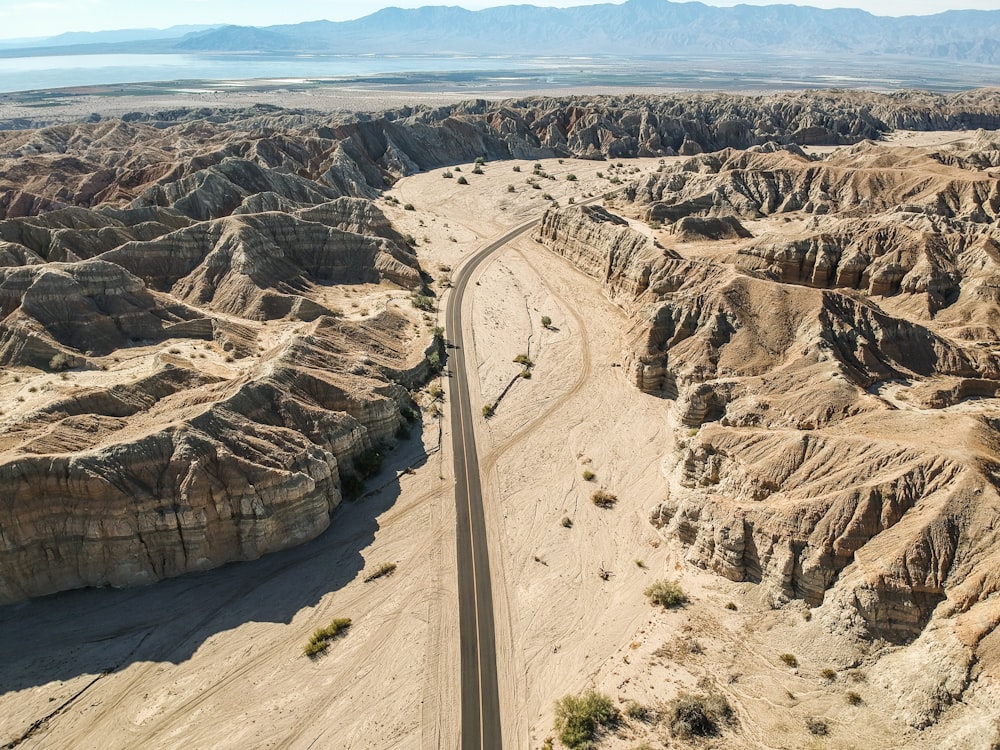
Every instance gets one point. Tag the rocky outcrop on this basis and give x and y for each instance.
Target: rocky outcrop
(180, 471)
(790, 512)
(160, 425)
(261, 266)
(807, 368)
(208, 163)
(603, 245)
(755, 184)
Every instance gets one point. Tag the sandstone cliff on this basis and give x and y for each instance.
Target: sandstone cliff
(810, 360)
(183, 391)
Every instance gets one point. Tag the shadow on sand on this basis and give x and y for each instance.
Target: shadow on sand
(94, 631)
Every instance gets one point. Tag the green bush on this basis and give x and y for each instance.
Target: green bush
(546, 321)
(588, 475)
(853, 698)
(489, 410)
(480, 160)
(829, 674)
(698, 715)
(517, 168)
(477, 170)
(422, 302)
(447, 174)
(571, 177)
(578, 718)
(567, 522)
(666, 594)
(434, 361)
(320, 640)
(522, 359)
(462, 181)
(511, 189)
(409, 207)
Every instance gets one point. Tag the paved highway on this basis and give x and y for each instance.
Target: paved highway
(480, 695)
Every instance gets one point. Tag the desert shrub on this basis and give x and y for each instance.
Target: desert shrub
(789, 660)
(522, 359)
(603, 499)
(641, 564)
(828, 674)
(526, 374)
(434, 361)
(435, 392)
(567, 522)
(422, 302)
(462, 181)
(447, 174)
(480, 160)
(571, 177)
(578, 717)
(489, 410)
(61, 361)
(477, 170)
(511, 189)
(409, 207)
(588, 475)
(385, 569)
(666, 594)
(817, 727)
(546, 321)
(853, 698)
(517, 168)
(320, 640)
(637, 711)
(547, 196)
(698, 715)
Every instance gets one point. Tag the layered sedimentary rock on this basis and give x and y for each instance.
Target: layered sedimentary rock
(209, 163)
(180, 390)
(808, 360)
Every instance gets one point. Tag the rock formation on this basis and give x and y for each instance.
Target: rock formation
(820, 361)
(182, 388)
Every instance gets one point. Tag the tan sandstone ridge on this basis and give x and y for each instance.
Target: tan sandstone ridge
(822, 354)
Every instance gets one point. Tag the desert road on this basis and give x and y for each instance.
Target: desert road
(480, 696)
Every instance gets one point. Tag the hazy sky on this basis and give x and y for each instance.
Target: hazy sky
(33, 18)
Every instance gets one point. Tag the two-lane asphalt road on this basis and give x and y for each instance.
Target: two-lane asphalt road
(480, 694)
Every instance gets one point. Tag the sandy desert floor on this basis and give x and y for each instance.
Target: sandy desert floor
(215, 660)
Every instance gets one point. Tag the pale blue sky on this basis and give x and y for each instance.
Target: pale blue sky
(33, 18)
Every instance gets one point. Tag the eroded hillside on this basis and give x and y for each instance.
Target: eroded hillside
(825, 331)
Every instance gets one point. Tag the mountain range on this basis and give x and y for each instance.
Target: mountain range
(633, 28)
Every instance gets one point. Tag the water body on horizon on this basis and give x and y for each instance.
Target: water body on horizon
(734, 73)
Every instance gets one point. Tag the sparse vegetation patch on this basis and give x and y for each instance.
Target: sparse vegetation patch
(320, 640)
(385, 569)
(701, 715)
(603, 499)
(579, 717)
(666, 594)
